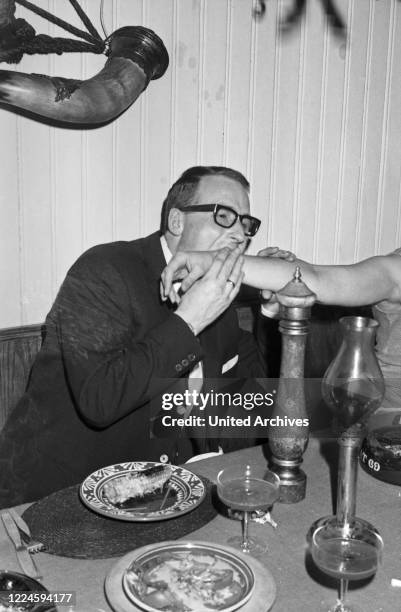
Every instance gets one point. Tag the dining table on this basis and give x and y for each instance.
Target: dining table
(299, 585)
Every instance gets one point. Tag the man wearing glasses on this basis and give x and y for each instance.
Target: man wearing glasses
(113, 347)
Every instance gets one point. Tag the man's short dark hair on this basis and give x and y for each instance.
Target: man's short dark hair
(183, 192)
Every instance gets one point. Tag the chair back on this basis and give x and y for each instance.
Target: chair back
(18, 349)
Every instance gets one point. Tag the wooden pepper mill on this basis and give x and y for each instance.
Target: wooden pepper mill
(289, 433)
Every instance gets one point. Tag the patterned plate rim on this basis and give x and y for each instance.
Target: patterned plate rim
(159, 548)
(93, 482)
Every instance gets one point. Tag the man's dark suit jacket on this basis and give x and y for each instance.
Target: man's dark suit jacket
(109, 348)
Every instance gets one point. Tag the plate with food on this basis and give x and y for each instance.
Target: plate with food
(189, 576)
(186, 577)
(142, 491)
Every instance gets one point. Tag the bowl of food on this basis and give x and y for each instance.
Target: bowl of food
(188, 577)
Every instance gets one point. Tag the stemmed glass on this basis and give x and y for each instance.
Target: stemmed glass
(350, 552)
(345, 546)
(247, 489)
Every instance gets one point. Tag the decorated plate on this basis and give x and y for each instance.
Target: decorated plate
(190, 576)
(142, 491)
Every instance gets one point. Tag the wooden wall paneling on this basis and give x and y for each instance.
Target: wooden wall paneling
(201, 80)
(214, 82)
(309, 146)
(67, 164)
(98, 151)
(356, 53)
(51, 169)
(392, 192)
(68, 198)
(129, 221)
(273, 144)
(10, 218)
(173, 76)
(370, 210)
(364, 127)
(331, 139)
(262, 128)
(130, 135)
(252, 106)
(157, 122)
(238, 108)
(389, 194)
(186, 92)
(99, 180)
(35, 191)
(315, 129)
(227, 80)
(344, 231)
(99, 146)
(298, 137)
(288, 58)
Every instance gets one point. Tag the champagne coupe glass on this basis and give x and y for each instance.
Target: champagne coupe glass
(247, 489)
(350, 552)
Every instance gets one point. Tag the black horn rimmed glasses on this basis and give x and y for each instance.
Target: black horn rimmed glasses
(225, 216)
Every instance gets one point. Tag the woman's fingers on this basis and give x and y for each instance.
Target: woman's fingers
(195, 274)
(268, 251)
(277, 253)
(224, 263)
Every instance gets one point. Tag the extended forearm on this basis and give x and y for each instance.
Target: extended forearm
(366, 282)
(271, 273)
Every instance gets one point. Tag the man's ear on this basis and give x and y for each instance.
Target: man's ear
(176, 222)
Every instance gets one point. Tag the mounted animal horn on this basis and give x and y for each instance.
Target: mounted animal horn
(136, 55)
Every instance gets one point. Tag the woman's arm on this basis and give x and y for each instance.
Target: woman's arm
(367, 282)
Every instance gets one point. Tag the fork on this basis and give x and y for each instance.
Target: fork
(32, 545)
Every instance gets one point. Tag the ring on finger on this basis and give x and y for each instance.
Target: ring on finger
(229, 280)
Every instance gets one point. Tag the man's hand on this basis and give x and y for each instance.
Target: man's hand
(187, 266)
(210, 296)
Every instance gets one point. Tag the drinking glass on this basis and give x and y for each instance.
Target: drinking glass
(247, 489)
(346, 552)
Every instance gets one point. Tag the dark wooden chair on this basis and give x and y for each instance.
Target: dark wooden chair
(18, 349)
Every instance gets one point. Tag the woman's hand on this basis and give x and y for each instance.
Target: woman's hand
(270, 306)
(277, 252)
